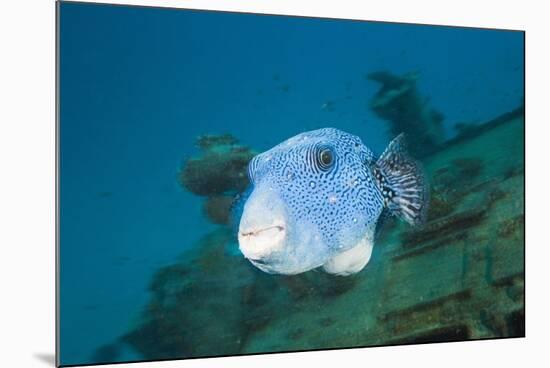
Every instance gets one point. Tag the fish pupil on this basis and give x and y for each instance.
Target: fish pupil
(326, 157)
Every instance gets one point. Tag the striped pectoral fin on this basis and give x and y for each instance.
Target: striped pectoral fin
(402, 183)
(352, 260)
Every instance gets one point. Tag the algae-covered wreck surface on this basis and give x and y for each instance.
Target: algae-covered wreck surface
(460, 276)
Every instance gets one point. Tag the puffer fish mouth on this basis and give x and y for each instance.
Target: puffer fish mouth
(258, 244)
(271, 229)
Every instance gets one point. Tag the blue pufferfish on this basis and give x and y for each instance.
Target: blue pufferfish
(316, 198)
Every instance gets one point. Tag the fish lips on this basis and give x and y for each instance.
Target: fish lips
(273, 240)
(263, 230)
(271, 250)
(261, 244)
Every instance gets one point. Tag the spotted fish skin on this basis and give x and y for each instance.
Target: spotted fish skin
(316, 199)
(339, 199)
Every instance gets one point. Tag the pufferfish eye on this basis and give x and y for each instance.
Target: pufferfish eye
(325, 158)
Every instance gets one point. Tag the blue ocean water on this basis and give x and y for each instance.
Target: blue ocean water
(138, 85)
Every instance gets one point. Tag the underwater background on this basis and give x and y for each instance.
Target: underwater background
(156, 103)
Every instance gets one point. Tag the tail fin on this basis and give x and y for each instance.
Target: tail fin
(402, 183)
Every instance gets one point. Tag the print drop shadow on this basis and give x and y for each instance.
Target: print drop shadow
(47, 358)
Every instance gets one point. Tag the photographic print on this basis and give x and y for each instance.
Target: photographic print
(234, 183)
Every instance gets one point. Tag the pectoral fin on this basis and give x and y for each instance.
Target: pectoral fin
(402, 183)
